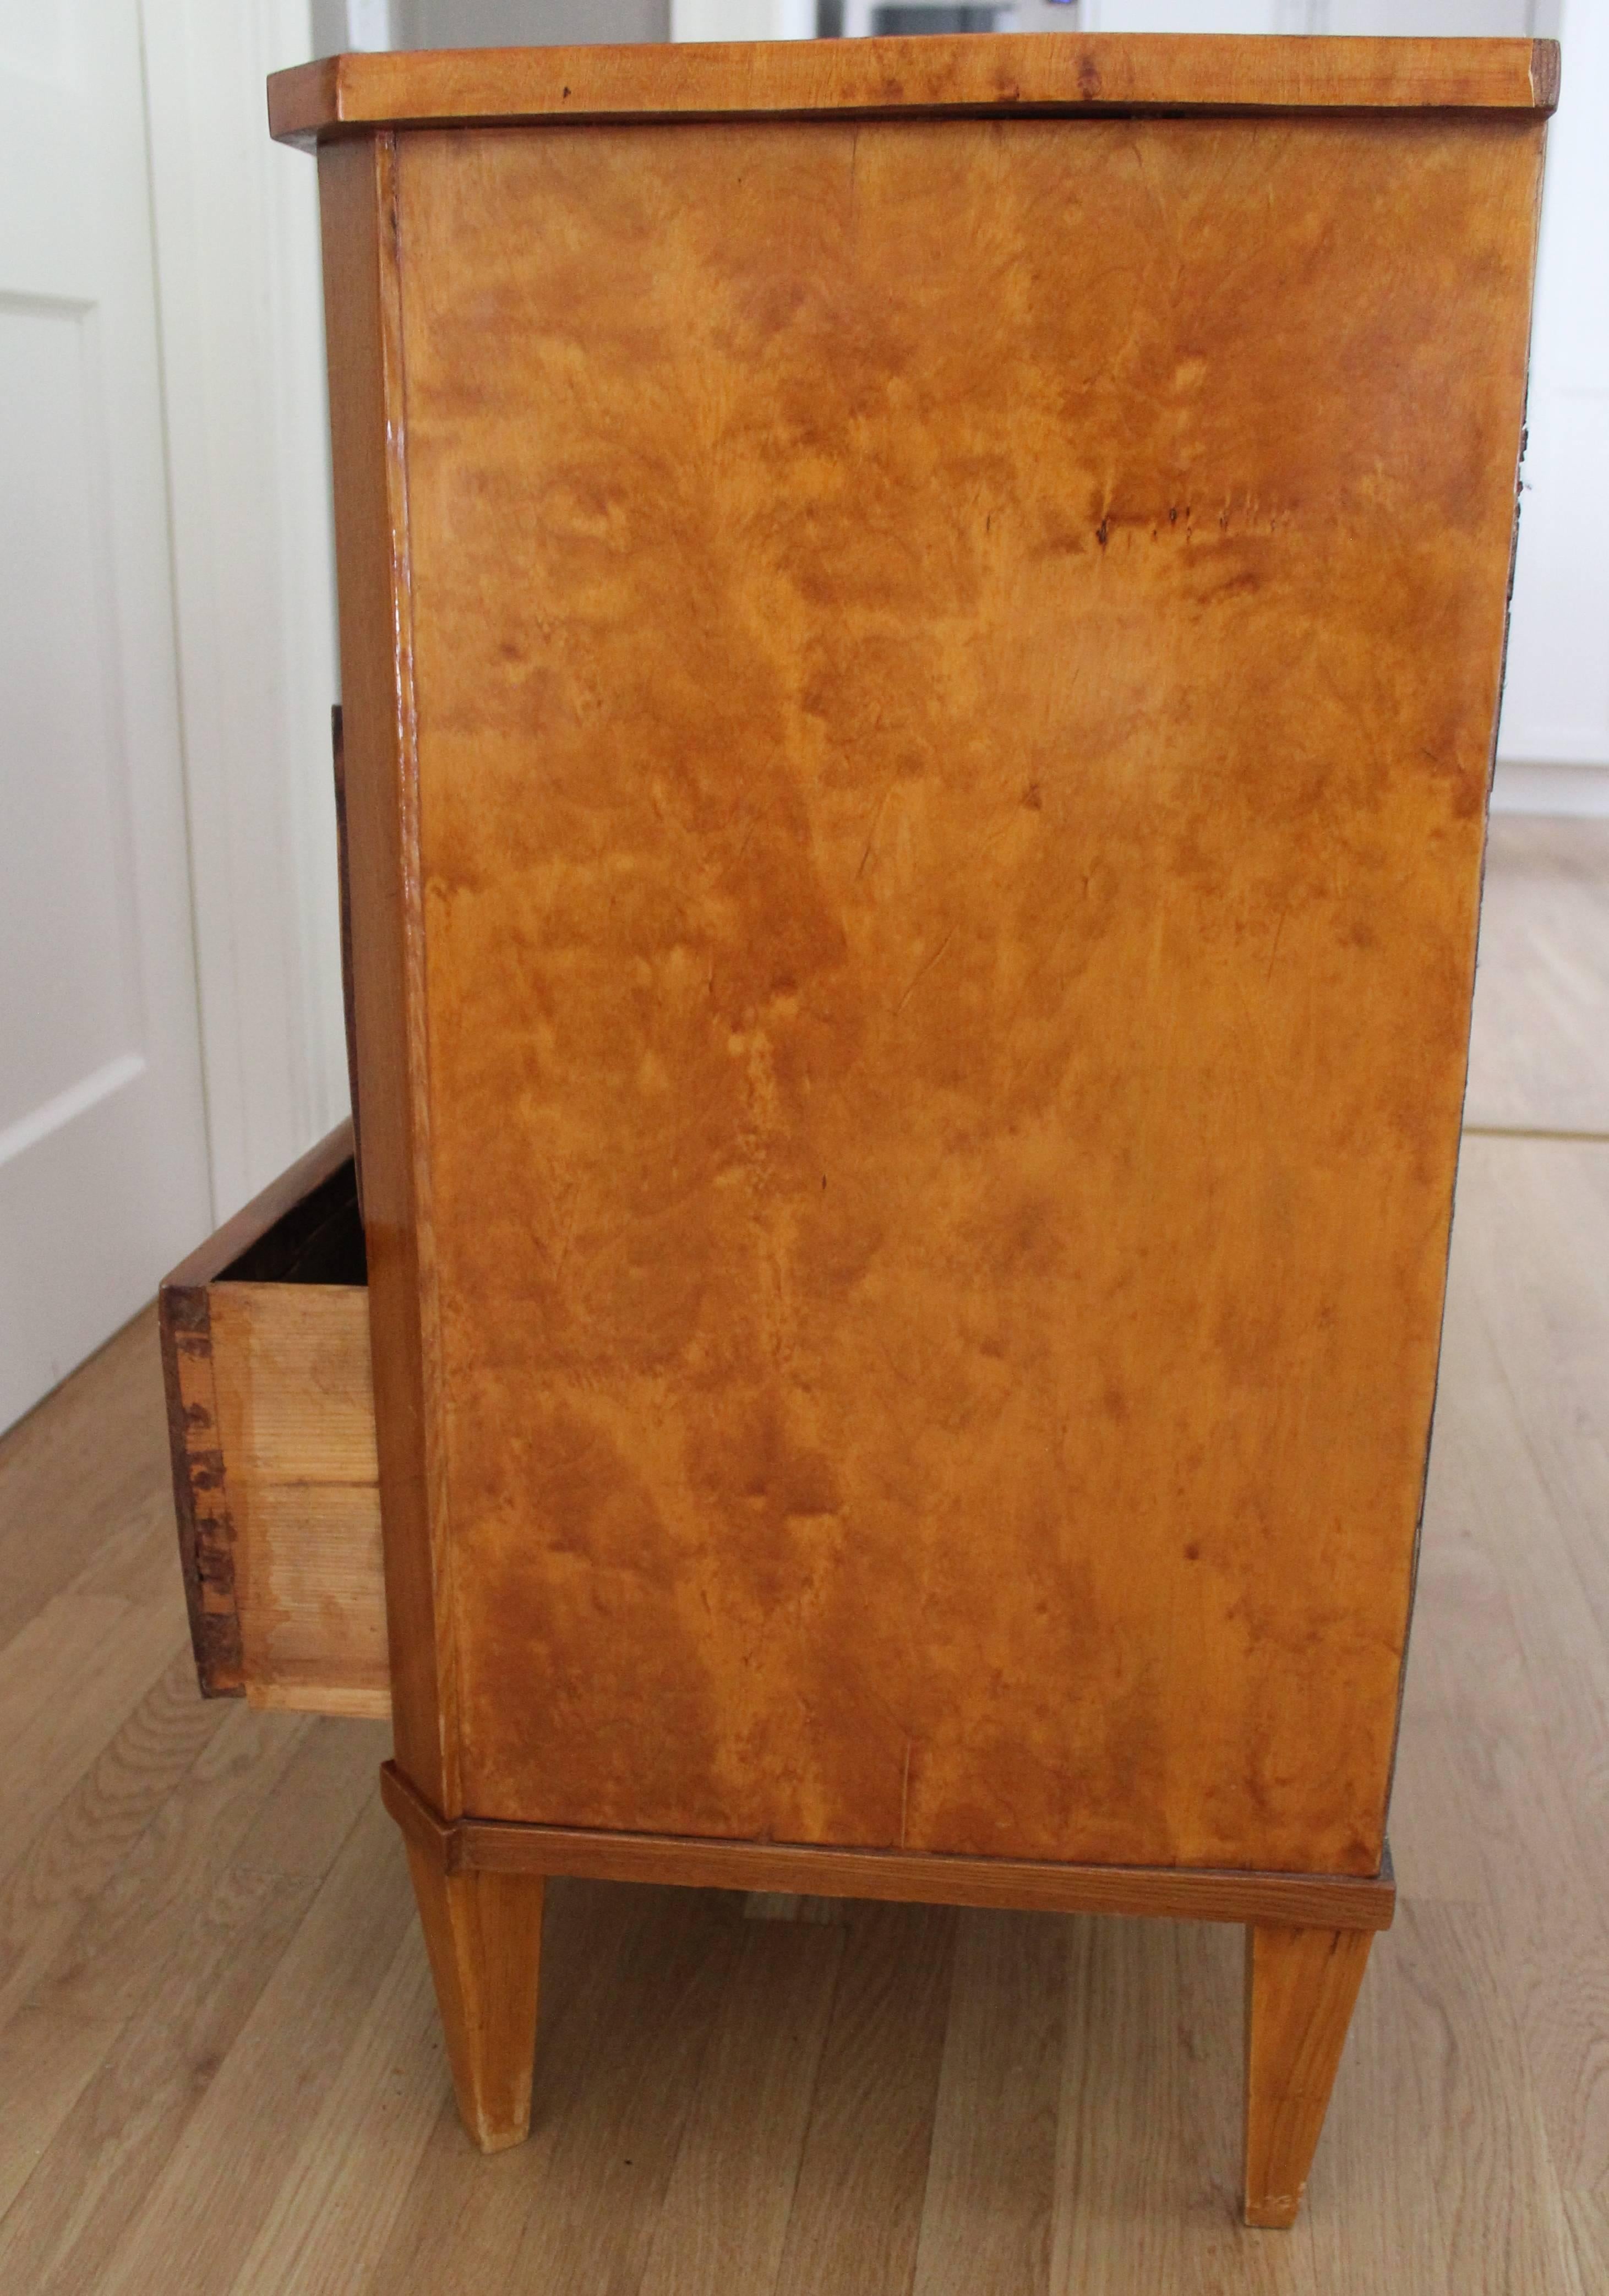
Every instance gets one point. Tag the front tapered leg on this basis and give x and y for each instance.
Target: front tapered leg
(483, 1933)
(1300, 1986)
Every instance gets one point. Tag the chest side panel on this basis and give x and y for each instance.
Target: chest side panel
(956, 665)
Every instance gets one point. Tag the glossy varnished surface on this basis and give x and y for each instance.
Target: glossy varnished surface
(1001, 72)
(951, 760)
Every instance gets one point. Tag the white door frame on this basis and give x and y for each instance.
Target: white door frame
(240, 310)
(103, 1169)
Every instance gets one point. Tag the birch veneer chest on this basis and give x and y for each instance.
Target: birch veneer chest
(920, 629)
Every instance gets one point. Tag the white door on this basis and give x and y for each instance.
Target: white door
(103, 1173)
(1555, 704)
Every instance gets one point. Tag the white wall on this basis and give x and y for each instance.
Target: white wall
(528, 23)
(739, 19)
(243, 354)
(1469, 19)
(1557, 709)
(1183, 16)
(1481, 18)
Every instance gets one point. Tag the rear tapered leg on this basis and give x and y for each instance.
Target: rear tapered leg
(1300, 1986)
(483, 1933)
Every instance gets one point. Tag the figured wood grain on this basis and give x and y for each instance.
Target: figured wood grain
(1087, 74)
(358, 212)
(1300, 1985)
(950, 827)
(921, 872)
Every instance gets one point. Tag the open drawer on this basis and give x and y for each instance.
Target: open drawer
(271, 1417)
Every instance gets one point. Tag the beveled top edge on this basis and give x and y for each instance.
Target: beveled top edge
(954, 72)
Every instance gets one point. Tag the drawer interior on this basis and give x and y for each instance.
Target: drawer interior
(265, 1353)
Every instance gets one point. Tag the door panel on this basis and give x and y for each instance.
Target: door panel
(102, 1148)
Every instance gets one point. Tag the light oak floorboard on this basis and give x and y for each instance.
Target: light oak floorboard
(1505, 1637)
(220, 2063)
(1540, 1048)
(857, 2214)
(1148, 2164)
(1481, 2164)
(237, 2147)
(176, 2000)
(123, 1941)
(46, 2062)
(725, 2209)
(72, 1674)
(95, 1838)
(991, 2170)
(72, 1472)
(614, 2132)
(632, 1983)
(334, 2212)
(460, 2224)
(1588, 2215)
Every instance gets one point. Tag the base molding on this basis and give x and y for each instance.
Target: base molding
(1520, 786)
(499, 1845)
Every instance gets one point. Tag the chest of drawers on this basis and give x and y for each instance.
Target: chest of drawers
(921, 624)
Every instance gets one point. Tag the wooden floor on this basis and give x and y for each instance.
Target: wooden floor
(219, 2067)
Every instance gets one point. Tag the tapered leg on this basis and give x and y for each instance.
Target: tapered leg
(1300, 1985)
(483, 1933)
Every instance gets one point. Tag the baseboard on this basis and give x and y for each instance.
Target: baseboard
(1521, 786)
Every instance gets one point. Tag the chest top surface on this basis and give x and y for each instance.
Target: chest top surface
(1085, 73)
